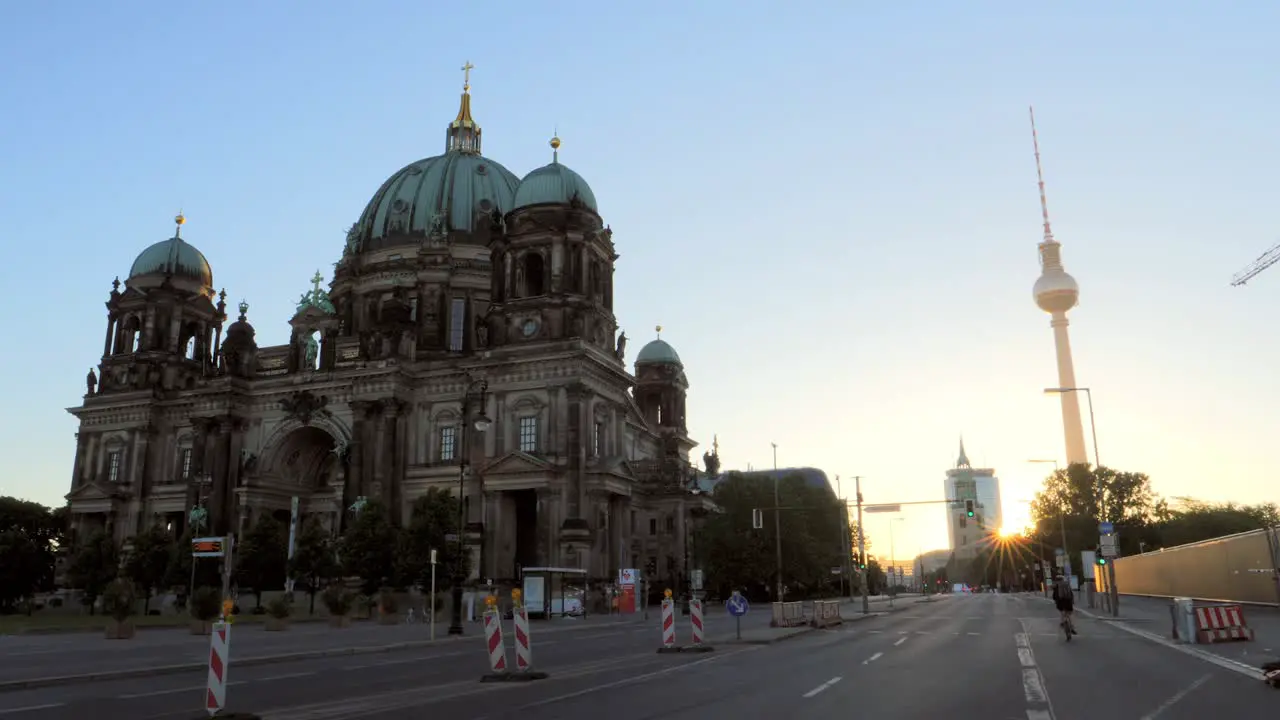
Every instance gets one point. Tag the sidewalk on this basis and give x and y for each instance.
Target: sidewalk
(1152, 615)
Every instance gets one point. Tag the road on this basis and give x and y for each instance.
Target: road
(989, 656)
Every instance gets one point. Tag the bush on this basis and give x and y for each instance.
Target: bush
(338, 600)
(387, 601)
(119, 599)
(206, 604)
(279, 608)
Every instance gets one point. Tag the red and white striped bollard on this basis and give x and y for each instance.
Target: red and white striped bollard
(219, 659)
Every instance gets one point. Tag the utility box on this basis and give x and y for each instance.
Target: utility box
(1184, 620)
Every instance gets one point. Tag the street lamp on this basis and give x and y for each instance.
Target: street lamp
(777, 521)
(480, 390)
(1093, 428)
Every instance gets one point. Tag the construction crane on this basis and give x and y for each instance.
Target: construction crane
(1264, 261)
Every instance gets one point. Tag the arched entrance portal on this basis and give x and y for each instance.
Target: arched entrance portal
(303, 463)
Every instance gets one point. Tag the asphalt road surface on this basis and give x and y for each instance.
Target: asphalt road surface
(980, 656)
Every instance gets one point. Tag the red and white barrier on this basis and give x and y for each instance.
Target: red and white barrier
(493, 639)
(668, 623)
(1221, 623)
(524, 655)
(695, 619)
(219, 659)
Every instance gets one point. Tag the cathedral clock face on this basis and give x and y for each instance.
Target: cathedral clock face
(530, 327)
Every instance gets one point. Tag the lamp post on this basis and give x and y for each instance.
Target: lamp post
(777, 521)
(481, 422)
(1093, 428)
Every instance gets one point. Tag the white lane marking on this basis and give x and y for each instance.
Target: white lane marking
(626, 680)
(822, 687)
(900, 641)
(1171, 701)
(972, 633)
(285, 677)
(872, 659)
(922, 632)
(875, 632)
(30, 708)
(1208, 657)
(1033, 685)
(1038, 715)
(402, 661)
(173, 691)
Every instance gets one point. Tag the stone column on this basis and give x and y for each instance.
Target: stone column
(393, 448)
(199, 444)
(235, 432)
(107, 343)
(77, 467)
(359, 475)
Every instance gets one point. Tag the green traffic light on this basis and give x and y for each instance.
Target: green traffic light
(970, 513)
(1102, 561)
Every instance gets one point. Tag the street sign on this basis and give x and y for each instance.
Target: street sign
(1088, 560)
(433, 556)
(208, 547)
(1106, 528)
(736, 604)
(882, 508)
(757, 518)
(696, 579)
(1107, 546)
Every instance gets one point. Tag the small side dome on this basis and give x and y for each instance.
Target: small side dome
(173, 258)
(554, 184)
(658, 352)
(241, 331)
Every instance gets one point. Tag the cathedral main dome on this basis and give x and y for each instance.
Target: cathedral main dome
(438, 194)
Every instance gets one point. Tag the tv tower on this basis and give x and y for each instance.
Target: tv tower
(1056, 292)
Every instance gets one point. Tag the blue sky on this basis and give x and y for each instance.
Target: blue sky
(831, 208)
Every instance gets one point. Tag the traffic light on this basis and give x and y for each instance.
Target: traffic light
(968, 508)
(1101, 560)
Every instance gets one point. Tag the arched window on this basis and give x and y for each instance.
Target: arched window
(534, 274)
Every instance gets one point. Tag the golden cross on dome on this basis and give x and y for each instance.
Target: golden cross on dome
(467, 67)
(659, 329)
(316, 280)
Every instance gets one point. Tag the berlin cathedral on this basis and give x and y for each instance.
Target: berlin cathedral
(467, 341)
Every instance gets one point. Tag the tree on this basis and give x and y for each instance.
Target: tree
(434, 518)
(94, 565)
(368, 548)
(1189, 520)
(30, 536)
(313, 559)
(148, 561)
(1072, 501)
(260, 557)
(812, 524)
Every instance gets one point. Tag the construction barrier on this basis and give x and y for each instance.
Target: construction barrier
(826, 613)
(493, 641)
(698, 628)
(668, 624)
(787, 614)
(1221, 623)
(219, 659)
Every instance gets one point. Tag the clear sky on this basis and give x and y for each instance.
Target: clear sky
(830, 208)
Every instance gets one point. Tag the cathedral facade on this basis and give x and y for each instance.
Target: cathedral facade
(467, 341)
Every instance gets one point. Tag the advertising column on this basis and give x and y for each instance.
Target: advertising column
(627, 591)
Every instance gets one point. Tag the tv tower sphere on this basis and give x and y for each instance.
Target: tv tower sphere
(1056, 291)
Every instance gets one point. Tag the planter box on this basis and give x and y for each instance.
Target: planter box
(120, 629)
(274, 624)
(201, 627)
(339, 621)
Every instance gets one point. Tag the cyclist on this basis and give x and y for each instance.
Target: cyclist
(1065, 601)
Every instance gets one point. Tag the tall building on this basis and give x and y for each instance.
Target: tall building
(965, 482)
(1056, 292)
(466, 342)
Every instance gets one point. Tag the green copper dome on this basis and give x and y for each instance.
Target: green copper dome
(553, 184)
(658, 352)
(173, 257)
(436, 195)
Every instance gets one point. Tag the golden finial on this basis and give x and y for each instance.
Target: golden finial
(555, 147)
(179, 220)
(467, 67)
(659, 329)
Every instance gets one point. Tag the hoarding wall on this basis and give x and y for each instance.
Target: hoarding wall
(1234, 568)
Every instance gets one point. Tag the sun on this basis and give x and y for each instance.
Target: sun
(1007, 532)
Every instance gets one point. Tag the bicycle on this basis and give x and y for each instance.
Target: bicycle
(1068, 626)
